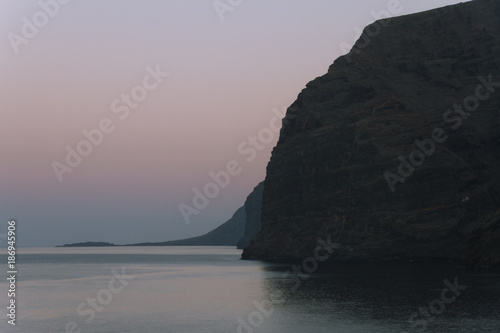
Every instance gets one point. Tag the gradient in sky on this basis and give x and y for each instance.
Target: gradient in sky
(225, 78)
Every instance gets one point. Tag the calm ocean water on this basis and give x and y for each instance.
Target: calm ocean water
(208, 289)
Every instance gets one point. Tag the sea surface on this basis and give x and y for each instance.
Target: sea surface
(209, 289)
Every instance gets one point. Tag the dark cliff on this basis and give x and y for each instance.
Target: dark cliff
(253, 211)
(395, 152)
(484, 244)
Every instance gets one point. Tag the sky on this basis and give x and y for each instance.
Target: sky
(146, 120)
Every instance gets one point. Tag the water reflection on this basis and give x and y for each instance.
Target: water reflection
(210, 290)
(368, 297)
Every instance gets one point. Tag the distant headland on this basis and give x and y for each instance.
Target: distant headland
(238, 231)
(87, 244)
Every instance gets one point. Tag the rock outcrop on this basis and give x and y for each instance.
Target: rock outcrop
(484, 245)
(253, 212)
(394, 153)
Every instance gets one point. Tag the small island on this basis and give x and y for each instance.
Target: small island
(87, 244)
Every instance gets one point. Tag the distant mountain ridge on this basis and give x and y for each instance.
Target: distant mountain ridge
(237, 231)
(227, 234)
(87, 244)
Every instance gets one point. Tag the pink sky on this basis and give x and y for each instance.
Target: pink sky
(225, 78)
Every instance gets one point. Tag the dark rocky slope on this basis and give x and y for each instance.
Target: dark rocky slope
(328, 174)
(253, 211)
(238, 230)
(226, 234)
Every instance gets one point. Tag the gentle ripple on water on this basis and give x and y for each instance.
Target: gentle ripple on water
(208, 289)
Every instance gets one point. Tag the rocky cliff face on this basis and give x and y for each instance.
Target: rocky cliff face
(484, 244)
(253, 213)
(395, 152)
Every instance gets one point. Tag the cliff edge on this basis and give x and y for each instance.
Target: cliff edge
(395, 152)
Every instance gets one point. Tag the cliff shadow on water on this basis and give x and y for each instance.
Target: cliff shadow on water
(412, 296)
